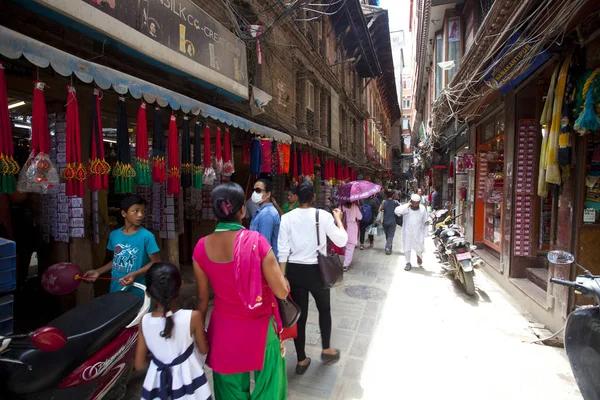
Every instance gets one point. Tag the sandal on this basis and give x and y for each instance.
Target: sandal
(301, 369)
(331, 358)
(345, 268)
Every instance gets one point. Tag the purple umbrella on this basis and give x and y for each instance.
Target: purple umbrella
(356, 190)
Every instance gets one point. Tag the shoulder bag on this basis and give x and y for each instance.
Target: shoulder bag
(288, 311)
(330, 265)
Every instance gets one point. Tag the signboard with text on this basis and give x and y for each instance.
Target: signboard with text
(184, 28)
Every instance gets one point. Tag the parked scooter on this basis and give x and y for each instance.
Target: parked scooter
(454, 251)
(582, 330)
(86, 353)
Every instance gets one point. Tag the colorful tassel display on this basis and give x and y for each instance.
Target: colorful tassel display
(123, 172)
(143, 176)
(75, 173)
(187, 168)
(159, 164)
(197, 171)
(588, 121)
(98, 168)
(173, 184)
(8, 166)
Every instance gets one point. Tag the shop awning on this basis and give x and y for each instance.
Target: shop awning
(14, 45)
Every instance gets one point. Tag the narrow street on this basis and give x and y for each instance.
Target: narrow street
(408, 335)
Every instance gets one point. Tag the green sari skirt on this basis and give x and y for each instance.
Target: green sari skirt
(270, 382)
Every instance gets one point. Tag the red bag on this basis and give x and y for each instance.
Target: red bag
(289, 333)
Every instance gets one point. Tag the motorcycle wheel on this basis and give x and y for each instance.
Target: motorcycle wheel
(467, 281)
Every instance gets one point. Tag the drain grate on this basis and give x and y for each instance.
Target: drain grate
(364, 292)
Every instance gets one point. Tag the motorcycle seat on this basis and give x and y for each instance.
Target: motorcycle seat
(457, 241)
(88, 328)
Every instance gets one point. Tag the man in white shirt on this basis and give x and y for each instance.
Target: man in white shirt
(415, 218)
(298, 257)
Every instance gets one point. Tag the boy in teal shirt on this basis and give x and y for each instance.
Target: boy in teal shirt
(133, 246)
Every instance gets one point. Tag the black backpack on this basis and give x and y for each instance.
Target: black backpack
(399, 218)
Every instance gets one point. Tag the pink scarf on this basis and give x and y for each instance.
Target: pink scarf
(248, 273)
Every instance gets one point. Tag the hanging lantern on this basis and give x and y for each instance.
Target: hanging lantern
(143, 177)
(8, 166)
(173, 185)
(198, 171)
(39, 173)
(98, 168)
(75, 173)
(187, 168)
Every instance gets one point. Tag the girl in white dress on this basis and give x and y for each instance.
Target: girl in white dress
(175, 338)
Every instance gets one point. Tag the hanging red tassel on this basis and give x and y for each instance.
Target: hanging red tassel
(75, 173)
(295, 166)
(218, 155)
(173, 185)
(209, 173)
(98, 168)
(39, 173)
(311, 164)
(228, 166)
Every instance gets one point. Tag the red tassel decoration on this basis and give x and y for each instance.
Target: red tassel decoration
(173, 185)
(295, 166)
(8, 166)
(218, 152)
(75, 173)
(143, 175)
(311, 164)
(98, 168)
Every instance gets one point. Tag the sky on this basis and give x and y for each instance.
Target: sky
(398, 11)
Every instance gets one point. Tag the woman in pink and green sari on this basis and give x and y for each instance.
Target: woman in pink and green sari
(243, 332)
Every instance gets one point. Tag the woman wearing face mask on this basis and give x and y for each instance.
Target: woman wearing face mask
(353, 215)
(413, 229)
(266, 220)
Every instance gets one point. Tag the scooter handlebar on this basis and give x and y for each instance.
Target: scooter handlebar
(582, 289)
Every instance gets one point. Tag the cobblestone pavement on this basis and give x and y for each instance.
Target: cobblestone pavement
(416, 335)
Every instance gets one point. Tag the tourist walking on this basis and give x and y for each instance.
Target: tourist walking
(246, 280)
(175, 338)
(368, 210)
(389, 219)
(267, 217)
(298, 251)
(414, 230)
(352, 214)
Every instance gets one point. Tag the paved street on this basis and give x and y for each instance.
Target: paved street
(409, 335)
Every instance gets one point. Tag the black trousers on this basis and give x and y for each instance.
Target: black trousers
(306, 279)
(363, 231)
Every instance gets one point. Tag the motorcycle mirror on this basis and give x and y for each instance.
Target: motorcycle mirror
(560, 257)
(48, 338)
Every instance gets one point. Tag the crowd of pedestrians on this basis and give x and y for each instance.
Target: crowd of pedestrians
(250, 272)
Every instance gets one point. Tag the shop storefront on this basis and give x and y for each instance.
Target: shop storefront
(490, 183)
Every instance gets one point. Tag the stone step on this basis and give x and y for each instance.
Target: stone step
(539, 276)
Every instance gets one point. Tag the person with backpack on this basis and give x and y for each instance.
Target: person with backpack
(368, 208)
(389, 219)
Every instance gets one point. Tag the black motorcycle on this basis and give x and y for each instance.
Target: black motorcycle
(453, 250)
(582, 330)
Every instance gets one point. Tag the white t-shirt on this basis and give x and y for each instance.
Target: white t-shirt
(297, 241)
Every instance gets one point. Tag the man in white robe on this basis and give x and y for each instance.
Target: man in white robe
(414, 229)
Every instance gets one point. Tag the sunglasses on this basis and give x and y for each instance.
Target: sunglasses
(258, 190)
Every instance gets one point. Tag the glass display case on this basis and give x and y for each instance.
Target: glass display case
(493, 196)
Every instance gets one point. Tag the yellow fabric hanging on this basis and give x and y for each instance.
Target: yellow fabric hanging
(553, 173)
(544, 122)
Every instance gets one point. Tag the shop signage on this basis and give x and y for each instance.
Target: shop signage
(515, 62)
(186, 31)
(183, 27)
(589, 216)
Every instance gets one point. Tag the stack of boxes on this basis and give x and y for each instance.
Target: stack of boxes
(8, 283)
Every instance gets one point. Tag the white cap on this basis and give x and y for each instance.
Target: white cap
(416, 198)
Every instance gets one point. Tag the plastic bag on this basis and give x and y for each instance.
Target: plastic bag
(209, 176)
(228, 168)
(38, 175)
